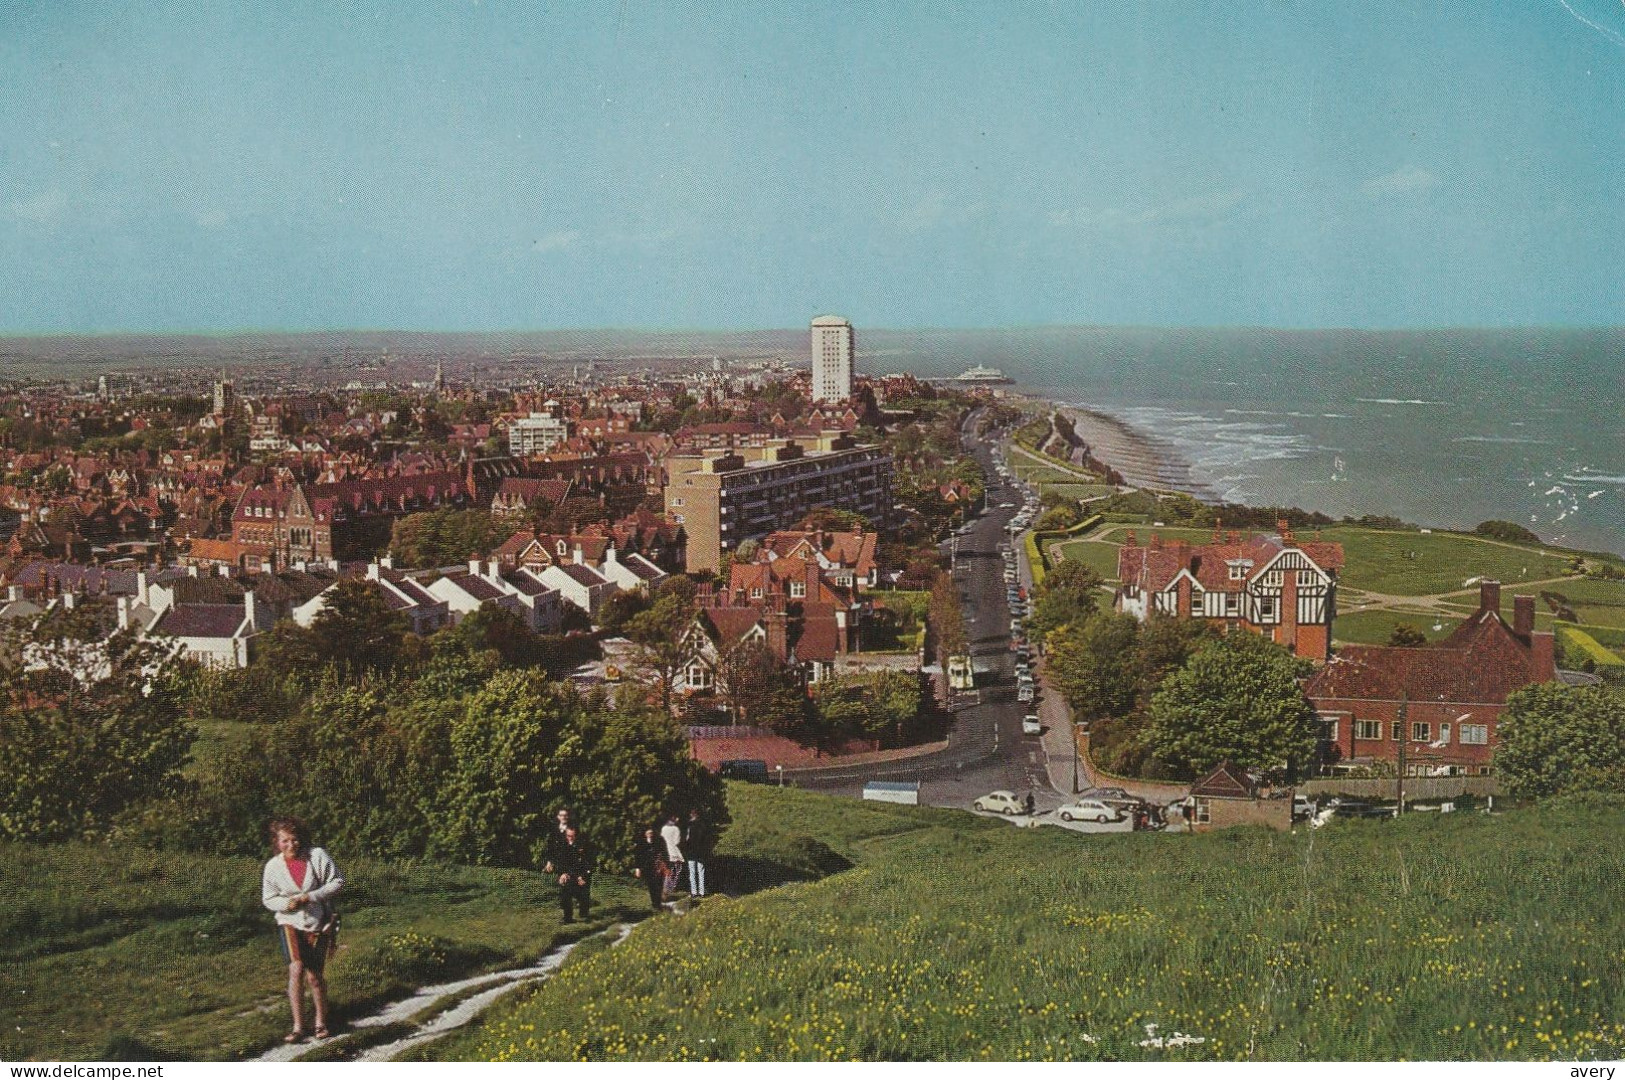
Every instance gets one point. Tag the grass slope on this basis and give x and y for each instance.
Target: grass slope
(125, 953)
(1434, 937)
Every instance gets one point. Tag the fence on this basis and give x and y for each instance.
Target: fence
(727, 731)
(1425, 788)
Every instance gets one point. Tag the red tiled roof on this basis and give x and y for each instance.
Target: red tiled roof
(1482, 662)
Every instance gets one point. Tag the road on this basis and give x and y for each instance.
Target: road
(986, 749)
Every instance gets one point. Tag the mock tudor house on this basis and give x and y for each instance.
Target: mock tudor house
(1269, 585)
(1440, 702)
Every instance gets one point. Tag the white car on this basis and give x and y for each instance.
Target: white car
(1000, 802)
(1088, 810)
(1031, 725)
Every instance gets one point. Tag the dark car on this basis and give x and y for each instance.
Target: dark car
(750, 770)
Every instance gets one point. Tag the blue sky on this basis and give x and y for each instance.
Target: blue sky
(473, 166)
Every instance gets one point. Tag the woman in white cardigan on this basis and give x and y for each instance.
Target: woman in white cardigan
(299, 884)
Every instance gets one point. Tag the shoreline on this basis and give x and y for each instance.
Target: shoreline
(1149, 461)
(1144, 459)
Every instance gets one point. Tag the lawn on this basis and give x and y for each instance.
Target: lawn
(1459, 937)
(1595, 602)
(1078, 491)
(1101, 558)
(122, 952)
(1374, 627)
(1421, 564)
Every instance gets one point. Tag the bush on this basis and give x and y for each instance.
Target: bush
(1505, 530)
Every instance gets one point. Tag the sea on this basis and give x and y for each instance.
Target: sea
(1443, 428)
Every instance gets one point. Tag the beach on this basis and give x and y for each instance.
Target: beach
(1143, 458)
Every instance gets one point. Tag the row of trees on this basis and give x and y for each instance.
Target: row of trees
(454, 747)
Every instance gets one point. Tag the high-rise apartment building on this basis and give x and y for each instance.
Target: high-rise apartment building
(722, 496)
(832, 348)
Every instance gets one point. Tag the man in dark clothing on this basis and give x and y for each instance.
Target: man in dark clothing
(697, 847)
(574, 864)
(649, 866)
(564, 819)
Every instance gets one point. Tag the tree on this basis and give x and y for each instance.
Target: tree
(1091, 662)
(1068, 594)
(445, 537)
(660, 633)
(946, 621)
(77, 754)
(1406, 636)
(1236, 699)
(357, 630)
(759, 688)
(1555, 739)
(1057, 518)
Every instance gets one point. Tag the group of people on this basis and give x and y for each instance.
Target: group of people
(661, 854)
(300, 882)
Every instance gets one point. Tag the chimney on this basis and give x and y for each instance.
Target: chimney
(1489, 595)
(252, 609)
(123, 612)
(387, 561)
(1523, 615)
(1130, 540)
(580, 558)
(372, 570)
(223, 570)
(778, 632)
(191, 570)
(1156, 542)
(68, 599)
(474, 565)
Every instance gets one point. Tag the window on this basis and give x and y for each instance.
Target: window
(1368, 729)
(1475, 734)
(1237, 572)
(1266, 607)
(1307, 577)
(1421, 731)
(798, 588)
(1204, 811)
(1328, 728)
(699, 677)
(1232, 604)
(1444, 733)
(1395, 731)
(756, 592)
(678, 501)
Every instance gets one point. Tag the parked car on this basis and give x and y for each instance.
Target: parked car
(1030, 725)
(1088, 810)
(1304, 807)
(1025, 693)
(1116, 798)
(1000, 802)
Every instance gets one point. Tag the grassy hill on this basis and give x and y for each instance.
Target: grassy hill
(1434, 937)
(126, 953)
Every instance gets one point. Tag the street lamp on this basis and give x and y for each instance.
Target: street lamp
(1075, 756)
(780, 768)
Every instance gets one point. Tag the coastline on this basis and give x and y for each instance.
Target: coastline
(1144, 459)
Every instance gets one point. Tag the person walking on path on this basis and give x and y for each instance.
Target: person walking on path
(697, 848)
(299, 884)
(649, 865)
(565, 818)
(574, 864)
(672, 834)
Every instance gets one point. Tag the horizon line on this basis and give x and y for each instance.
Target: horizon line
(46, 335)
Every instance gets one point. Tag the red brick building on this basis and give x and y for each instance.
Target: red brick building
(1270, 585)
(1452, 692)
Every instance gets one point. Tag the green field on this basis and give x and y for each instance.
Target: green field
(1408, 563)
(1595, 602)
(1101, 558)
(119, 952)
(1460, 937)
(1079, 491)
(1374, 627)
(1421, 564)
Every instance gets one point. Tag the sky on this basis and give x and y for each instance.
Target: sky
(488, 166)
